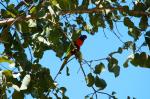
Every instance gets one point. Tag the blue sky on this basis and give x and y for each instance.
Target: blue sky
(133, 81)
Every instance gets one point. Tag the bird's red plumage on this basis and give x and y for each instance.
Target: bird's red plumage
(78, 42)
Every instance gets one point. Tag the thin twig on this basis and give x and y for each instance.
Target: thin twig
(117, 29)
(83, 71)
(98, 91)
(88, 64)
(105, 34)
(117, 36)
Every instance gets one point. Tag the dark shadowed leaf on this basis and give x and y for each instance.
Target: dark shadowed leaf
(125, 64)
(17, 95)
(135, 61)
(99, 68)
(116, 70)
(67, 71)
(63, 89)
(90, 80)
(113, 66)
(143, 23)
(128, 22)
(100, 83)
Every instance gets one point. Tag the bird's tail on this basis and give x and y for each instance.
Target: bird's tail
(63, 64)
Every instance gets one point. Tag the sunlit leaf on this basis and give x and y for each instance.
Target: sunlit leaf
(25, 82)
(16, 87)
(51, 10)
(16, 75)
(5, 59)
(7, 73)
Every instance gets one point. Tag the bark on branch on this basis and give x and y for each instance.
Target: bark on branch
(94, 10)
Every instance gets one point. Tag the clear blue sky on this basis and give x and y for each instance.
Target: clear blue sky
(133, 81)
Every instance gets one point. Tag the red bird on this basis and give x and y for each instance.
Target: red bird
(71, 51)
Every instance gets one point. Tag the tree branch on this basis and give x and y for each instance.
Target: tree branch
(97, 10)
(11, 20)
(63, 12)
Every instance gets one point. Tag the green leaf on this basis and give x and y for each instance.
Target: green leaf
(140, 7)
(63, 89)
(143, 59)
(79, 20)
(134, 32)
(125, 64)
(128, 97)
(54, 2)
(85, 4)
(17, 95)
(136, 59)
(90, 80)
(126, 9)
(99, 68)
(116, 70)
(65, 97)
(113, 66)
(120, 50)
(147, 38)
(128, 22)
(143, 23)
(7, 73)
(33, 10)
(79, 56)
(22, 27)
(100, 83)
(113, 93)
(109, 20)
(41, 13)
(4, 59)
(147, 62)
(7, 1)
(113, 0)
(4, 13)
(123, 1)
(67, 71)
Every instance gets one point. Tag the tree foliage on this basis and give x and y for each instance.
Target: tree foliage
(41, 25)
